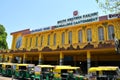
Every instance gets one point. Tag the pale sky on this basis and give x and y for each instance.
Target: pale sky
(18, 15)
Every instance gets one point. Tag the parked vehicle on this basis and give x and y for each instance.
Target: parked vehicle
(104, 73)
(23, 71)
(43, 72)
(7, 69)
(68, 73)
(1, 68)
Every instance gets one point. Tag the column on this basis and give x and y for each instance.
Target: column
(20, 60)
(40, 58)
(61, 58)
(11, 58)
(1, 58)
(88, 60)
(24, 58)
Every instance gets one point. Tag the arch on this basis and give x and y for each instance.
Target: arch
(89, 35)
(54, 39)
(110, 32)
(80, 36)
(100, 33)
(63, 38)
(70, 37)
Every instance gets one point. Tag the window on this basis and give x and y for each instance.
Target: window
(36, 42)
(19, 42)
(26, 42)
(89, 35)
(41, 41)
(48, 40)
(110, 32)
(63, 38)
(70, 37)
(30, 41)
(101, 33)
(54, 39)
(80, 36)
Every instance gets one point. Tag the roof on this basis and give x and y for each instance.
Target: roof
(103, 68)
(25, 64)
(21, 31)
(45, 65)
(66, 67)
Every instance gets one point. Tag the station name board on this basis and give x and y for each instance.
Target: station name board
(41, 29)
(72, 21)
(78, 20)
(111, 16)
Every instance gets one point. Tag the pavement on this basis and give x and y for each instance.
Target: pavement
(6, 78)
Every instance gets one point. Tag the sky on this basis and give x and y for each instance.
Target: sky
(16, 15)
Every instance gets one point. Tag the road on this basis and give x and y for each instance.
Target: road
(6, 78)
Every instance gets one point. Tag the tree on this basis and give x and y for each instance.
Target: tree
(109, 5)
(3, 36)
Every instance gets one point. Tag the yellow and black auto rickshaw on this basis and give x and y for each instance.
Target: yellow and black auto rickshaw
(7, 69)
(104, 73)
(23, 71)
(1, 68)
(68, 73)
(43, 72)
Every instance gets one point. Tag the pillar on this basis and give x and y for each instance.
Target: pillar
(20, 60)
(88, 60)
(1, 58)
(61, 58)
(40, 58)
(24, 58)
(11, 58)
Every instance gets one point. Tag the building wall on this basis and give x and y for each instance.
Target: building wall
(29, 40)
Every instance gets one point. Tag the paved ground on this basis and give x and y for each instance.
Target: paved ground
(6, 78)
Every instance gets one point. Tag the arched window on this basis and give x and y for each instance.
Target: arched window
(54, 39)
(63, 38)
(48, 40)
(36, 42)
(110, 32)
(79, 36)
(70, 37)
(89, 35)
(26, 42)
(30, 41)
(41, 42)
(18, 42)
(101, 33)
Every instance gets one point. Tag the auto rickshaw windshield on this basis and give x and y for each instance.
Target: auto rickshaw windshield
(22, 67)
(8, 66)
(77, 71)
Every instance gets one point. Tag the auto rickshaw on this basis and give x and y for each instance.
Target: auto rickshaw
(67, 73)
(104, 73)
(1, 68)
(7, 69)
(23, 71)
(43, 72)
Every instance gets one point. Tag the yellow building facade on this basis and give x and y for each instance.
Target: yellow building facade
(84, 45)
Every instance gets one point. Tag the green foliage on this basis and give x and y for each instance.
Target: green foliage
(109, 5)
(3, 36)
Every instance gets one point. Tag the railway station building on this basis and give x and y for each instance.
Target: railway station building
(85, 41)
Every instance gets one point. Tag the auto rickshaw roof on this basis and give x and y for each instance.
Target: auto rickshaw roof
(75, 67)
(45, 66)
(65, 67)
(24, 64)
(103, 68)
(7, 63)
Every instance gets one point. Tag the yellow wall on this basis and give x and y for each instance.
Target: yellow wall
(93, 26)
